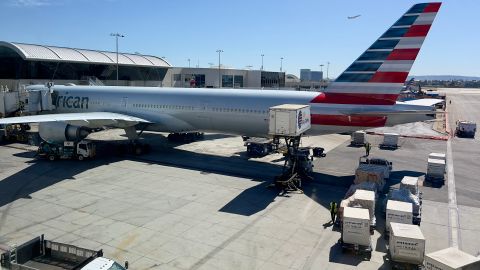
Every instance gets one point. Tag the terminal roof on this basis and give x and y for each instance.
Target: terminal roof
(61, 54)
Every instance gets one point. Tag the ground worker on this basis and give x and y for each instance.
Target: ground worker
(333, 210)
(368, 146)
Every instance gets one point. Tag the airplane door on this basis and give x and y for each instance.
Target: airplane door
(204, 119)
(124, 103)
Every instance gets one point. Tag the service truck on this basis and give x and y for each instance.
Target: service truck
(466, 129)
(68, 150)
(41, 254)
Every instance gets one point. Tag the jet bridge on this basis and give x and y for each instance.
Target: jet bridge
(41, 100)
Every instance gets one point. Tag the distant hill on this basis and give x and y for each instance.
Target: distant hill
(444, 78)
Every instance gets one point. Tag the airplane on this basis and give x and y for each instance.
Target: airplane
(353, 17)
(363, 96)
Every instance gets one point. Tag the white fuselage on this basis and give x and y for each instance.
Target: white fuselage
(231, 111)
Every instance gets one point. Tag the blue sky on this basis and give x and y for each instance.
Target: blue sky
(306, 33)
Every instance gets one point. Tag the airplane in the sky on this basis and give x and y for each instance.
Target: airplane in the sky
(363, 96)
(353, 17)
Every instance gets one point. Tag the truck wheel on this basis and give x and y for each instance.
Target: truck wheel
(51, 157)
(80, 157)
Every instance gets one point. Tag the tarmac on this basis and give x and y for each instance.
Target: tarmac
(206, 205)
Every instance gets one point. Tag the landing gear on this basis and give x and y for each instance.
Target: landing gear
(135, 146)
(297, 167)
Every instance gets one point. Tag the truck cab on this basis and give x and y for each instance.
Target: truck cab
(85, 149)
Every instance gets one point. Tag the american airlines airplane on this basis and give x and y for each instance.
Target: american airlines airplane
(363, 96)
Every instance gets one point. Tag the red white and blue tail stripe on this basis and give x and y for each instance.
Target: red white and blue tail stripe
(377, 76)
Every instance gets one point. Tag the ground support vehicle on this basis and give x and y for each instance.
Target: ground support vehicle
(68, 150)
(41, 254)
(185, 137)
(259, 147)
(466, 129)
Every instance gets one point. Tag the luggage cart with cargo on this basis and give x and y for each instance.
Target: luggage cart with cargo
(451, 259)
(390, 141)
(406, 246)
(358, 138)
(356, 232)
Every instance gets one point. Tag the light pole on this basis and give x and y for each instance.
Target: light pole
(116, 35)
(328, 66)
(262, 61)
(281, 64)
(188, 62)
(219, 51)
(321, 70)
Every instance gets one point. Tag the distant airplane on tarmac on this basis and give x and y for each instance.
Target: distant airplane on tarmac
(354, 17)
(363, 96)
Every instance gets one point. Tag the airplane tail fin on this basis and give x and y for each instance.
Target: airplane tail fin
(377, 76)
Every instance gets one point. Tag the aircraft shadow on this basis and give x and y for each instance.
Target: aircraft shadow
(42, 174)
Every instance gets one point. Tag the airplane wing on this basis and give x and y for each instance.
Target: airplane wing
(88, 119)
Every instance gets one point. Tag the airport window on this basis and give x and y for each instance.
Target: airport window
(238, 81)
(227, 81)
(177, 77)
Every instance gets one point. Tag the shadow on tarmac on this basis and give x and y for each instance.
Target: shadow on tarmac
(42, 174)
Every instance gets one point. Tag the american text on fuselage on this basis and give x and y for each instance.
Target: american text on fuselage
(68, 101)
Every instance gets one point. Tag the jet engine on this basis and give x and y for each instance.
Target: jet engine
(60, 132)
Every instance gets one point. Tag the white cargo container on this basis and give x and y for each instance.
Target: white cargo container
(289, 120)
(356, 226)
(399, 212)
(435, 168)
(366, 199)
(410, 183)
(451, 259)
(390, 139)
(440, 156)
(406, 243)
(358, 137)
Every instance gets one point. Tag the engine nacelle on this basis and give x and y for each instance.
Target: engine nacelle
(60, 132)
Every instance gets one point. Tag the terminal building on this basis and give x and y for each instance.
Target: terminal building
(223, 77)
(309, 80)
(26, 64)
